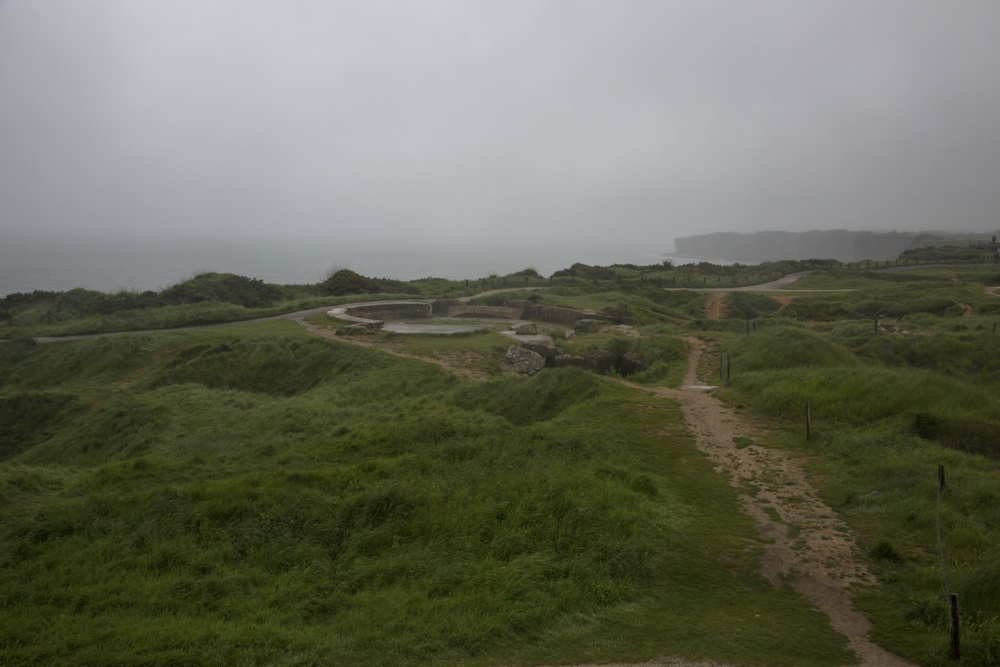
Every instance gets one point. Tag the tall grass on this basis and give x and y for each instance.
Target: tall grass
(254, 496)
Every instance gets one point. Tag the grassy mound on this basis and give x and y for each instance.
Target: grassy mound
(783, 347)
(209, 498)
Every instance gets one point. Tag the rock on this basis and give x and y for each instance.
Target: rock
(543, 346)
(526, 329)
(564, 360)
(522, 360)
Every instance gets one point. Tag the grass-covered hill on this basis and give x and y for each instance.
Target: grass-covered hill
(259, 495)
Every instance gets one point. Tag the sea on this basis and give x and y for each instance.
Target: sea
(29, 263)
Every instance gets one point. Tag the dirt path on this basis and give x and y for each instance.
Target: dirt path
(812, 549)
(715, 306)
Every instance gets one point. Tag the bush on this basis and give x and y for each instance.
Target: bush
(345, 282)
(886, 552)
(224, 287)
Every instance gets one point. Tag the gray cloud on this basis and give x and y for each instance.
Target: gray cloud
(624, 122)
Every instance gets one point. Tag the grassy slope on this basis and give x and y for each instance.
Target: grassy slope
(258, 496)
(872, 398)
(148, 477)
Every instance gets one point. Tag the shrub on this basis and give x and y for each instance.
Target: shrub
(345, 281)
(886, 552)
(225, 287)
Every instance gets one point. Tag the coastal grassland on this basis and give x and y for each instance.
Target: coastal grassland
(30, 319)
(886, 411)
(212, 298)
(255, 495)
(915, 276)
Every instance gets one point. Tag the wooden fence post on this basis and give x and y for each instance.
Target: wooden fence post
(808, 421)
(955, 652)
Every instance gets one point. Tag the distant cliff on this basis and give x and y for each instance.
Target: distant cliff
(839, 244)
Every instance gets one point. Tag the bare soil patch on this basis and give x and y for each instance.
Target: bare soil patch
(715, 306)
(784, 300)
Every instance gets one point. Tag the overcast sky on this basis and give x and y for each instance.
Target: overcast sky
(472, 122)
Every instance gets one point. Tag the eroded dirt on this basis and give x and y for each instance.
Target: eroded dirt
(715, 306)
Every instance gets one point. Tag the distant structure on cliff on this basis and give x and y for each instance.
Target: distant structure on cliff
(839, 244)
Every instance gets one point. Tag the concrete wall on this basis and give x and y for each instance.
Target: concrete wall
(556, 314)
(400, 310)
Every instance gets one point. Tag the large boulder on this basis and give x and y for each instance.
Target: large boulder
(525, 329)
(522, 360)
(544, 346)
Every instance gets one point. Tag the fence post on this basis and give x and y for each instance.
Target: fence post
(808, 421)
(955, 652)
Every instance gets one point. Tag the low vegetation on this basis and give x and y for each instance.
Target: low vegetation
(259, 495)
(264, 496)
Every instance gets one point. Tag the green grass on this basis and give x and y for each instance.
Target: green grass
(875, 468)
(254, 495)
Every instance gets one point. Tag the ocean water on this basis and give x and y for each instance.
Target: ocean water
(59, 264)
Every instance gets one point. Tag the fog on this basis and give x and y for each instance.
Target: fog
(459, 123)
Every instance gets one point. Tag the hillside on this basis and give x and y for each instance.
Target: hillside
(261, 494)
